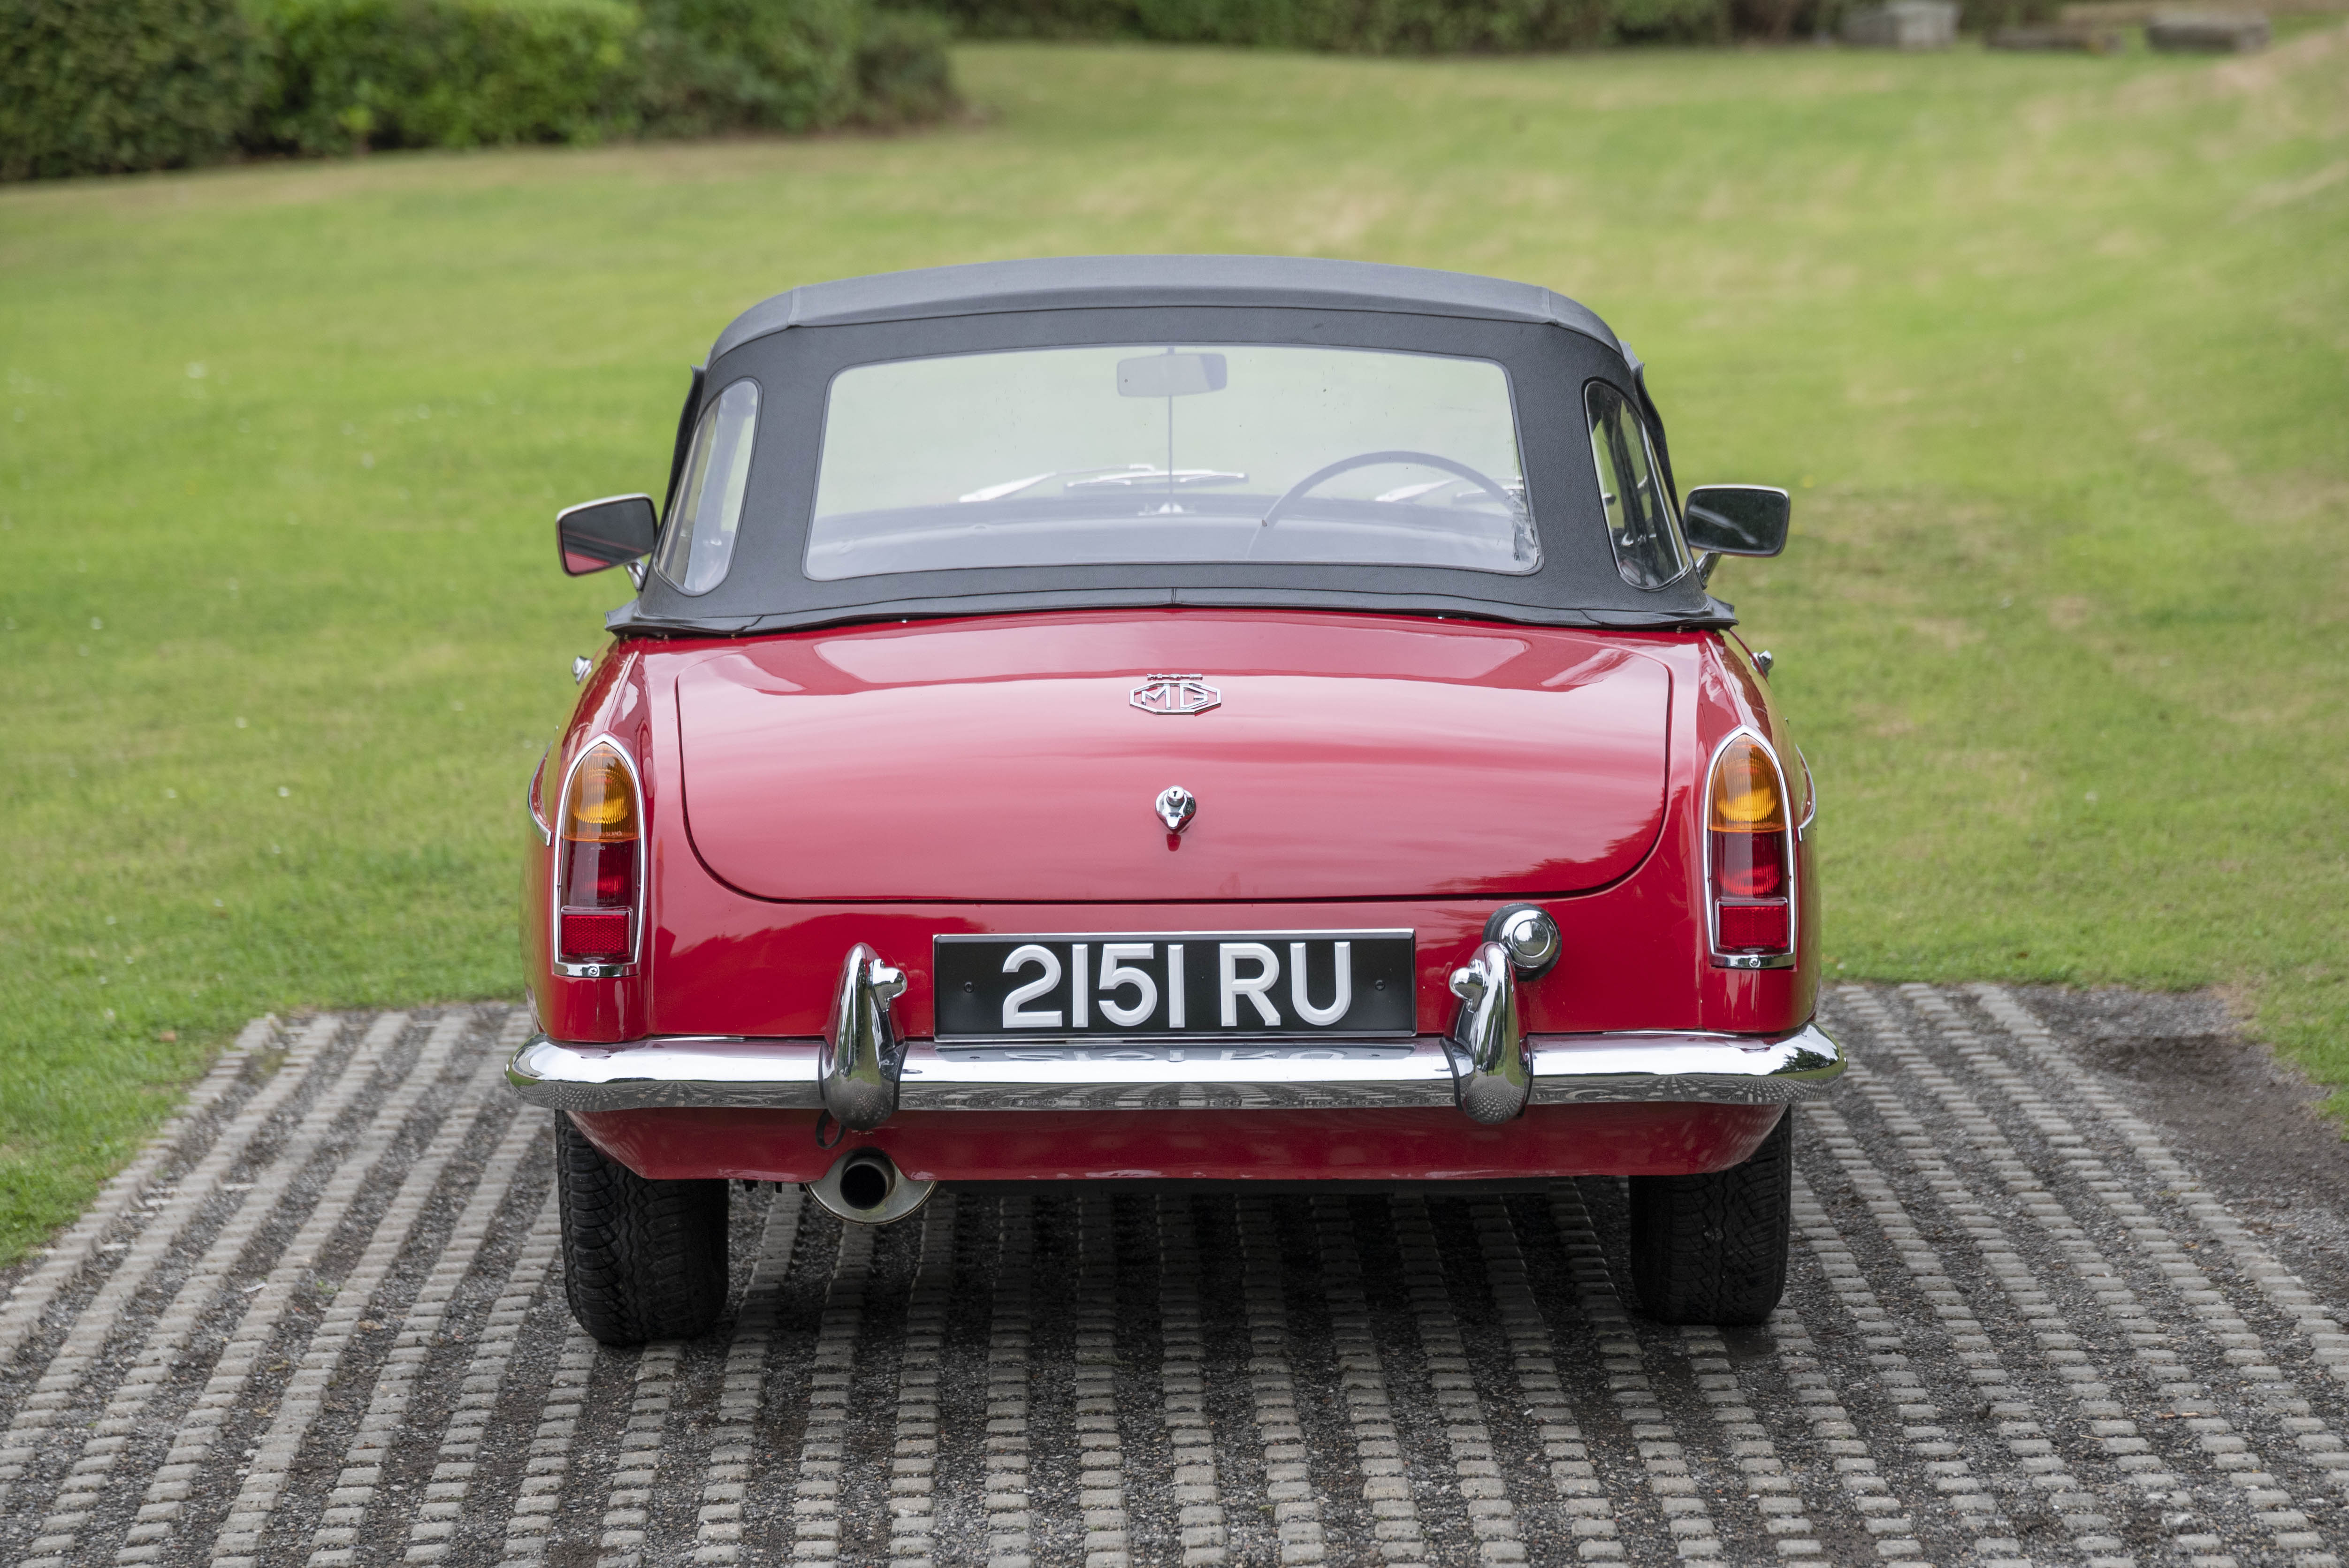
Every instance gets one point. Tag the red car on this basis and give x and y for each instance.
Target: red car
(1202, 719)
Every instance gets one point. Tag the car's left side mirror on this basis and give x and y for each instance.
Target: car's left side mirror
(598, 534)
(1736, 520)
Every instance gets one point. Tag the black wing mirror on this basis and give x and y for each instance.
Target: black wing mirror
(598, 534)
(1736, 520)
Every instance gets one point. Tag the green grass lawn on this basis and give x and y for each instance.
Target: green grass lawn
(2051, 349)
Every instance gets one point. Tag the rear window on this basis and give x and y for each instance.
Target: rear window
(1165, 453)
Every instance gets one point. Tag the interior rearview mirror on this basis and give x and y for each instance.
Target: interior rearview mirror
(1736, 520)
(1170, 375)
(597, 534)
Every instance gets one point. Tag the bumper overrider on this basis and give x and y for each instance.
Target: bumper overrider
(862, 1071)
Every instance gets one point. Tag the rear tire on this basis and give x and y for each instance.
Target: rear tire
(641, 1259)
(1713, 1249)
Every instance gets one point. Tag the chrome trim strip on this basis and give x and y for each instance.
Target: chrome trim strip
(534, 796)
(593, 971)
(1810, 797)
(717, 1071)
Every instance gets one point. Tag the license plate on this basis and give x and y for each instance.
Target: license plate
(1161, 985)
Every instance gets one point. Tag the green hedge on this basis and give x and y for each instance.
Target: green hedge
(1353, 26)
(1676, 20)
(904, 74)
(353, 74)
(790, 65)
(96, 86)
(720, 65)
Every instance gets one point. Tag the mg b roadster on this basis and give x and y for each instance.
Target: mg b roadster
(1201, 719)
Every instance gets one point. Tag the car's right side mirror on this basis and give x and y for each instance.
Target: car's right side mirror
(598, 534)
(1736, 520)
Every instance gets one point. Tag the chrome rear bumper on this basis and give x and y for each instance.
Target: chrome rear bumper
(1566, 1069)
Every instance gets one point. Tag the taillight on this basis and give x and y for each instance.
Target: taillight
(595, 866)
(1749, 853)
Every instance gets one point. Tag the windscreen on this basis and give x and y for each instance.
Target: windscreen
(1169, 453)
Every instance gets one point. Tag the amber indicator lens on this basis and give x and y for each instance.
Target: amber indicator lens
(1747, 843)
(595, 865)
(602, 808)
(1745, 791)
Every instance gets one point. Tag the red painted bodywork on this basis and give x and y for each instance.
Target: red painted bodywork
(1347, 762)
(988, 775)
(1197, 1145)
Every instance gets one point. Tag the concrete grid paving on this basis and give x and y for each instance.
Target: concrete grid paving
(319, 1322)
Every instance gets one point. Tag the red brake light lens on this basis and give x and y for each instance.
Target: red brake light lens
(595, 862)
(595, 936)
(1750, 852)
(1753, 927)
(1749, 865)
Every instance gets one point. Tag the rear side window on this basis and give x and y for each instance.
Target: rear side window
(1648, 551)
(698, 544)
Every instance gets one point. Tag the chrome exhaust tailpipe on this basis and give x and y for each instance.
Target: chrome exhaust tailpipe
(864, 1187)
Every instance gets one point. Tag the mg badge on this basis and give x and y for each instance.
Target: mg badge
(1174, 693)
(1175, 807)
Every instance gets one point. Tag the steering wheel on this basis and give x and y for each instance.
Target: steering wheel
(1304, 487)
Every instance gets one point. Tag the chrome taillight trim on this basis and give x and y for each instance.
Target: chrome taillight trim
(533, 797)
(1793, 892)
(637, 915)
(1810, 797)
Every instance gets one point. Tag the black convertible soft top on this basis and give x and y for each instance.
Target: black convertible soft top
(1109, 283)
(795, 343)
